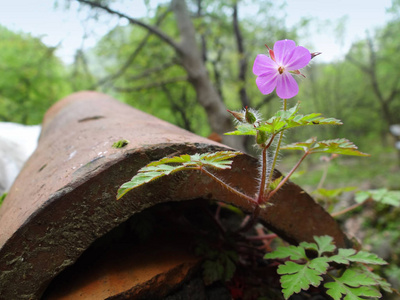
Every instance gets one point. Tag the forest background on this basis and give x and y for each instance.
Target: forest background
(186, 62)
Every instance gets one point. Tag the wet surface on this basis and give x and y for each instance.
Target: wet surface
(64, 198)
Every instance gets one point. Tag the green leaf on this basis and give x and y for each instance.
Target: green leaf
(333, 193)
(293, 252)
(288, 119)
(283, 120)
(352, 284)
(379, 281)
(325, 244)
(379, 195)
(338, 146)
(243, 129)
(170, 165)
(298, 277)
(345, 256)
(2, 197)
(361, 196)
(220, 266)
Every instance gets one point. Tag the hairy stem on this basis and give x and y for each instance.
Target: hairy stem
(225, 185)
(276, 153)
(284, 180)
(262, 189)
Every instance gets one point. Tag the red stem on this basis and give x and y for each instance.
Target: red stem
(287, 176)
(227, 186)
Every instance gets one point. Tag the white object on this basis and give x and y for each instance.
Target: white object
(395, 129)
(17, 143)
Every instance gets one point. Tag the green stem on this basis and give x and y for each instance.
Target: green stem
(278, 146)
(323, 177)
(227, 186)
(284, 180)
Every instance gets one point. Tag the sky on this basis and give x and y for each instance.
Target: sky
(65, 27)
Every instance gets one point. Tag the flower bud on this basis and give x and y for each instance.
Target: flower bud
(237, 115)
(261, 137)
(250, 117)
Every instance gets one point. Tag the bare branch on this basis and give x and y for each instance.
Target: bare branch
(243, 60)
(150, 71)
(156, 31)
(179, 109)
(131, 57)
(151, 85)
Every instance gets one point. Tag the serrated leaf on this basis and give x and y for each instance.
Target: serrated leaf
(352, 285)
(293, 252)
(243, 129)
(222, 266)
(212, 271)
(378, 279)
(361, 196)
(297, 277)
(380, 195)
(284, 120)
(170, 165)
(338, 146)
(309, 246)
(333, 193)
(319, 264)
(345, 256)
(367, 258)
(325, 244)
(275, 183)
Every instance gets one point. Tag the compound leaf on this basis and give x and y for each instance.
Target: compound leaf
(293, 252)
(352, 285)
(296, 277)
(243, 129)
(170, 165)
(338, 146)
(379, 195)
(345, 256)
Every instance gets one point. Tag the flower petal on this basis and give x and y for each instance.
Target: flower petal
(299, 58)
(286, 86)
(267, 82)
(282, 49)
(263, 64)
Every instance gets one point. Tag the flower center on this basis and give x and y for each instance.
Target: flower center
(281, 70)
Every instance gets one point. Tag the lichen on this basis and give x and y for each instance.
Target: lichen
(120, 144)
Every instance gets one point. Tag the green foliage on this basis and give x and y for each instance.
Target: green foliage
(218, 265)
(283, 120)
(302, 271)
(120, 144)
(2, 197)
(352, 285)
(170, 165)
(379, 195)
(33, 78)
(338, 146)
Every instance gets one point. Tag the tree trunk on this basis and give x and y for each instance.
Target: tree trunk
(219, 119)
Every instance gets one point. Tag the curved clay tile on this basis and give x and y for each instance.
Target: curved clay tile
(64, 198)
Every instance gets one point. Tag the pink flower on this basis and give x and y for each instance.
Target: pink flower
(275, 71)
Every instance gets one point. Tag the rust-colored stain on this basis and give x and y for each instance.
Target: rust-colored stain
(130, 272)
(64, 198)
